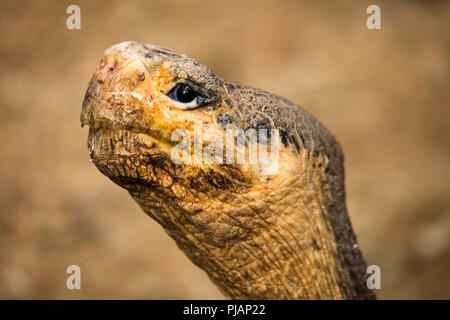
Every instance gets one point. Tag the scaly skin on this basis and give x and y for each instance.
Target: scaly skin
(281, 236)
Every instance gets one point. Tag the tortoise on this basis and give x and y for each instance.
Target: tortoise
(258, 234)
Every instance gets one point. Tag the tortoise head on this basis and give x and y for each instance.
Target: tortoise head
(159, 118)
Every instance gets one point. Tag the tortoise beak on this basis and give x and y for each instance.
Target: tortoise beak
(114, 97)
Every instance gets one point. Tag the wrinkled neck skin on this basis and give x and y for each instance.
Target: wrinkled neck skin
(286, 237)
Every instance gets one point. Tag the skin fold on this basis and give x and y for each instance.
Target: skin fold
(280, 236)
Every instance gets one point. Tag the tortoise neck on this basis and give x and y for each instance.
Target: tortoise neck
(301, 248)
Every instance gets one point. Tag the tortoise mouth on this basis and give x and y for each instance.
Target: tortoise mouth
(138, 160)
(126, 157)
(105, 143)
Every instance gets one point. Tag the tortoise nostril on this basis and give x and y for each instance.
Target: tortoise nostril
(107, 67)
(108, 63)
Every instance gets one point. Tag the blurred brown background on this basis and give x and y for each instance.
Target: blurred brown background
(383, 93)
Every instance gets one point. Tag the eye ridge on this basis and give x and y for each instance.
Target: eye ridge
(184, 93)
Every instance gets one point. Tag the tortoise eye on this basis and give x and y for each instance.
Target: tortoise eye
(185, 94)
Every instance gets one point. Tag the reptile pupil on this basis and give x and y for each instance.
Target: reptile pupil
(183, 93)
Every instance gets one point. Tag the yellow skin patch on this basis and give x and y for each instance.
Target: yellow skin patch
(280, 236)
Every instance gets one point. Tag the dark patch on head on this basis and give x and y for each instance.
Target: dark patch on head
(302, 139)
(287, 140)
(164, 53)
(284, 137)
(260, 123)
(225, 119)
(295, 143)
(229, 102)
(315, 245)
